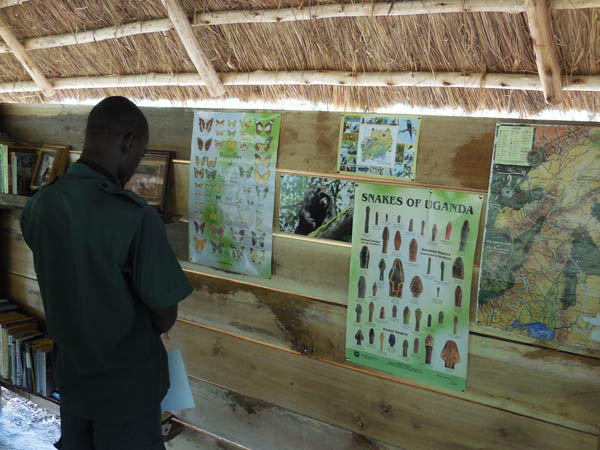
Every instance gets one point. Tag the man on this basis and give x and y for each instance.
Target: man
(110, 285)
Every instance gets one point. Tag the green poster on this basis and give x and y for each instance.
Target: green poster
(232, 190)
(410, 282)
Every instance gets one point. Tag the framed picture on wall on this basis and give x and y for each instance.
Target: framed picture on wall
(43, 167)
(51, 162)
(151, 178)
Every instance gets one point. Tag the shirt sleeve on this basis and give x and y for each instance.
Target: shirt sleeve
(158, 280)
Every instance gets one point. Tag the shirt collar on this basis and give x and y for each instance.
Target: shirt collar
(87, 168)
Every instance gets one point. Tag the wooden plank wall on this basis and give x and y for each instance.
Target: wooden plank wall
(266, 357)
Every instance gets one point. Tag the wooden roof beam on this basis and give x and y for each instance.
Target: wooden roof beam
(25, 58)
(186, 34)
(7, 3)
(261, 16)
(546, 54)
(469, 80)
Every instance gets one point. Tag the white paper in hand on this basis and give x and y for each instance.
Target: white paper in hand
(179, 396)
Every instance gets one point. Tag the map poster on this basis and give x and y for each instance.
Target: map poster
(540, 265)
(232, 190)
(410, 282)
(379, 146)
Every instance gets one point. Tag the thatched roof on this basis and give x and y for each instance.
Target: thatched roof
(485, 43)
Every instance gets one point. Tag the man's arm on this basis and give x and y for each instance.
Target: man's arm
(163, 319)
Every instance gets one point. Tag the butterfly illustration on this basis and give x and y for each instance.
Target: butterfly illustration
(231, 145)
(231, 133)
(247, 189)
(256, 257)
(264, 146)
(198, 173)
(246, 124)
(264, 127)
(217, 248)
(231, 123)
(259, 222)
(198, 185)
(207, 194)
(205, 125)
(250, 202)
(245, 172)
(244, 145)
(206, 160)
(238, 233)
(214, 187)
(237, 252)
(262, 162)
(258, 239)
(262, 191)
(219, 144)
(211, 174)
(199, 205)
(220, 132)
(212, 215)
(204, 145)
(264, 178)
(199, 244)
(218, 197)
(220, 123)
(217, 231)
(199, 226)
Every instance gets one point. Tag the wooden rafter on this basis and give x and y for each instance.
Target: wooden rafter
(25, 58)
(294, 14)
(190, 42)
(546, 53)
(523, 82)
(7, 3)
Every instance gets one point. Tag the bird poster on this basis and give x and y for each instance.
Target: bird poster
(232, 190)
(410, 282)
(379, 146)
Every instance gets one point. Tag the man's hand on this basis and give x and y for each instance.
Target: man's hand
(163, 319)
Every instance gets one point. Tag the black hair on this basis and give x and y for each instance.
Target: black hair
(112, 119)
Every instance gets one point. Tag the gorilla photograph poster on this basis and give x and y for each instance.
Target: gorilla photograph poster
(379, 146)
(316, 207)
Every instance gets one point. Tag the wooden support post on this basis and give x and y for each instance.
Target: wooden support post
(25, 59)
(546, 56)
(186, 34)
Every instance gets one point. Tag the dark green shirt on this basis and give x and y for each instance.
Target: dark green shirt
(102, 260)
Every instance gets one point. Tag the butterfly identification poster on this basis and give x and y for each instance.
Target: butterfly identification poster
(379, 146)
(231, 194)
(410, 282)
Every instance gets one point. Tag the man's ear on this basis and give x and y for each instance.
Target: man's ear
(129, 142)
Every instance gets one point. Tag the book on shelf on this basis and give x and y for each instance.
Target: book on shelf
(20, 367)
(9, 321)
(4, 169)
(25, 353)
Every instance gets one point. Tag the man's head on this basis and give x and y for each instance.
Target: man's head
(116, 137)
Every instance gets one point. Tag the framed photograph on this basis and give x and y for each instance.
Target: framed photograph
(43, 168)
(51, 163)
(73, 157)
(151, 178)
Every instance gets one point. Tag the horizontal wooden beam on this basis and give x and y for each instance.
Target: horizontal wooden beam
(379, 9)
(7, 3)
(25, 58)
(469, 80)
